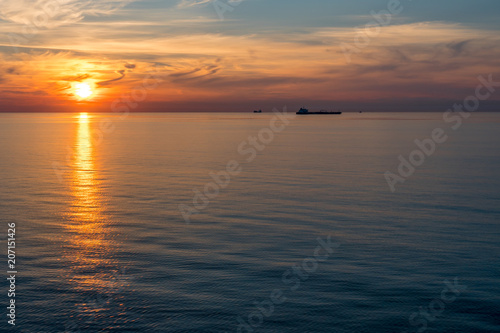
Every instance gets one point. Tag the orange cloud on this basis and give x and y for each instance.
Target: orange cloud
(424, 60)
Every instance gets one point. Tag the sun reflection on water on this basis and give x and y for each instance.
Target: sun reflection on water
(91, 244)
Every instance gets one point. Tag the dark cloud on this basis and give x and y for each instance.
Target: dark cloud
(107, 82)
(76, 78)
(263, 82)
(211, 72)
(377, 68)
(19, 92)
(197, 73)
(180, 74)
(130, 66)
(310, 42)
(458, 47)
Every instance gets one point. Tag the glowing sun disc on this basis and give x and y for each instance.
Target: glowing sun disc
(83, 90)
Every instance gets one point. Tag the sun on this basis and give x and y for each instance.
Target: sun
(83, 90)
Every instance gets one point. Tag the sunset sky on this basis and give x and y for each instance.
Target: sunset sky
(186, 55)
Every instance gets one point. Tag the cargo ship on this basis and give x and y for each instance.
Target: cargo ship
(306, 111)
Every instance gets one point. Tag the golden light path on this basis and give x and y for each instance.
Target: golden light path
(90, 247)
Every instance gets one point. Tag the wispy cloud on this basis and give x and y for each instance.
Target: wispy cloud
(193, 3)
(53, 13)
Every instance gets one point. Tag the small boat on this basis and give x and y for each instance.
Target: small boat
(257, 111)
(306, 111)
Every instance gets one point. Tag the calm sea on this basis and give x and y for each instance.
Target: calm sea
(102, 246)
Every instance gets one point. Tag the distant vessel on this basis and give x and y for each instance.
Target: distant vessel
(257, 111)
(306, 111)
